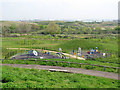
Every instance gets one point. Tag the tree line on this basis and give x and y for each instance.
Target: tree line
(56, 28)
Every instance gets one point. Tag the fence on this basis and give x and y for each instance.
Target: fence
(70, 63)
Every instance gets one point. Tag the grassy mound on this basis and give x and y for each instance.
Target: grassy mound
(86, 44)
(83, 43)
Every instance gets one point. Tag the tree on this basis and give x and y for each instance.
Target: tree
(24, 28)
(53, 28)
(34, 27)
(42, 27)
(5, 31)
(12, 28)
(117, 28)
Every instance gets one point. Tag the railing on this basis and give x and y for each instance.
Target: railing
(68, 63)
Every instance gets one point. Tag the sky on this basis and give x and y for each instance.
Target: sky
(58, 9)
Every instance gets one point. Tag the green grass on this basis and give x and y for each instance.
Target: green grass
(33, 78)
(112, 59)
(111, 45)
(8, 53)
(40, 62)
(86, 44)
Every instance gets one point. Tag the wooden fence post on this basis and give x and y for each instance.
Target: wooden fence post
(57, 62)
(3, 60)
(62, 64)
(118, 70)
(24, 60)
(105, 68)
(80, 64)
(68, 63)
(35, 61)
(13, 60)
(46, 61)
(92, 66)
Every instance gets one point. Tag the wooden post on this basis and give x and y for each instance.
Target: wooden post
(62, 63)
(76, 55)
(3, 60)
(92, 66)
(35, 61)
(105, 68)
(118, 70)
(24, 61)
(80, 64)
(57, 62)
(46, 61)
(68, 63)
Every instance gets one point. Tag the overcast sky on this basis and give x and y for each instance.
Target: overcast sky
(58, 9)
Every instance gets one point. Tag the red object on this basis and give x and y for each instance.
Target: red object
(88, 52)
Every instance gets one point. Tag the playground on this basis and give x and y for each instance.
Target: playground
(36, 55)
(47, 54)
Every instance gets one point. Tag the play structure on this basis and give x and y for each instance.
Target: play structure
(92, 51)
(46, 54)
(61, 55)
(39, 55)
(91, 54)
(32, 53)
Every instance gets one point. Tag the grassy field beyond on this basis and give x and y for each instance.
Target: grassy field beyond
(33, 78)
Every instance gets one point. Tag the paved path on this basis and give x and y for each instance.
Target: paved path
(67, 69)
(71, 56)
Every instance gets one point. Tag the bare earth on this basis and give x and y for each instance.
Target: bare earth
(67, 69)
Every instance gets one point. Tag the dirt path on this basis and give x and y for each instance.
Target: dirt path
(71, 56)
(67, 69)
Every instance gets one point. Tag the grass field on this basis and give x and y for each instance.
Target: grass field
(33, 78)
(67, 45)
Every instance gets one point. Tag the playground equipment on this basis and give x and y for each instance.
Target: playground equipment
(60, 50)
(32, 53)
(35, 53)
(47, 53)
(79, 51)
(92, 51)
(74, 53)
(61, 55)
(104, 54)
(94, 54)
